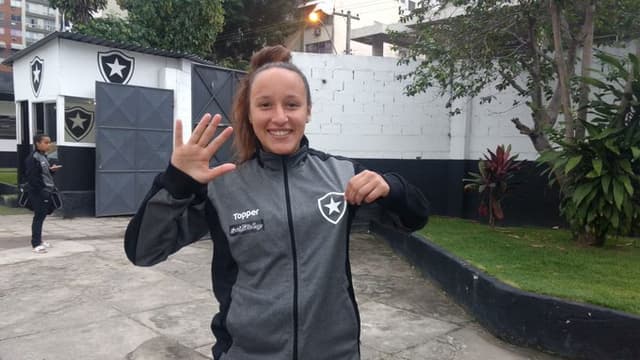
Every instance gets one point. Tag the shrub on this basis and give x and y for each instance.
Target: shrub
(600, 192)
(492, 181)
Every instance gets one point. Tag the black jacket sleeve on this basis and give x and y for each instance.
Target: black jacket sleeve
(171, 216)
(404, 200)
(33, 173)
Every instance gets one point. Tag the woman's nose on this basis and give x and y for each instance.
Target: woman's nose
(279, 114)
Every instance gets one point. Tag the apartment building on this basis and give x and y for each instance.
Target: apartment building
(22, 23)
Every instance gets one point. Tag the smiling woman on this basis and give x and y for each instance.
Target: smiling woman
(280, 218)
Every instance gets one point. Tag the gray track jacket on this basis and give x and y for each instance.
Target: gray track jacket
(280, 229)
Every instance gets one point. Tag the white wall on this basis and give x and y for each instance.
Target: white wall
(78, 61)
(71, 70)
(360, 110)
(50, 77)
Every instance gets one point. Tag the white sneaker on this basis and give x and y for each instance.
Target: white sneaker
(40, 249)
(46, 244)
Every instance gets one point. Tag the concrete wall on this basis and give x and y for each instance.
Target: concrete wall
(360, 111)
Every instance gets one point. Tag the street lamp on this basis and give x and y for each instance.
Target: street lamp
(315, 17)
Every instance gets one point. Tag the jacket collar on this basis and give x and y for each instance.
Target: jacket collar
(276, 162)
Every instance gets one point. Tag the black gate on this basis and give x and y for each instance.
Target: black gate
(212, 91)
(133, 144)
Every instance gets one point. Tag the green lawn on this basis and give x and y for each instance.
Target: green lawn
(546, 261)
(5, 210)
(8, 176)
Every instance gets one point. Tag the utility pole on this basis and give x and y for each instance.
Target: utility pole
(349, 17)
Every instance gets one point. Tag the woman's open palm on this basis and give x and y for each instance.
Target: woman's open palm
(193, 157)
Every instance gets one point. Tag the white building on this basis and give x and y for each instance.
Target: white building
(57, 86)
(24, 22)
(330, 34)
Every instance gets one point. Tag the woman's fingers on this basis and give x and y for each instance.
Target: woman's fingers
(367, 186)
(374, 194)
(210, 131)
(359, 193)
(177, 134)
(220, 170)
(355, 188)
(219, 140)
(200, 128)
(193, 158)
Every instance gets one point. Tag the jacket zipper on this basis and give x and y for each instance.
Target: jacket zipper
(294, 255)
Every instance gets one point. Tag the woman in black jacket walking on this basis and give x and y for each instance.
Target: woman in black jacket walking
(40, 179)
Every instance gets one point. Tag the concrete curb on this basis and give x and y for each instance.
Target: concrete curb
(570, 329)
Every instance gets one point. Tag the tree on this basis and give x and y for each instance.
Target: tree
(78, 11)
(603, 169)
(181, 25)
(531, 46)
(251, 24)
(112, 28)
(542, 49)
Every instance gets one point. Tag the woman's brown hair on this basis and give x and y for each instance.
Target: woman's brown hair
(245, 139)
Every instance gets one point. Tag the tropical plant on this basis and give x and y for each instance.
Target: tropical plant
(492, 181)
(469, 48)
(602, 171)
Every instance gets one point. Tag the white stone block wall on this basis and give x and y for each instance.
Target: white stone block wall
(360, 110)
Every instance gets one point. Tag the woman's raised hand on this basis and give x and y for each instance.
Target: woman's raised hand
(193, 157)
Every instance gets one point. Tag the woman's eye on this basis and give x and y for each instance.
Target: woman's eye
(264, 105)
(293, 105)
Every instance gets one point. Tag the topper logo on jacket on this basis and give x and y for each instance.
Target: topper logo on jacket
(332, 206)
(249, 226)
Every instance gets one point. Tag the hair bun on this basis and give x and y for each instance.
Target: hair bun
(270, 54)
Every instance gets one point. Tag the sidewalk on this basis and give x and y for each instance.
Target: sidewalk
(84, 300)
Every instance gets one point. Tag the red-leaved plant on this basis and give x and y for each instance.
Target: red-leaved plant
(492, 181)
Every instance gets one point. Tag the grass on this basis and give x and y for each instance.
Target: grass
(546, 261)
(8, 176)
(5, 210)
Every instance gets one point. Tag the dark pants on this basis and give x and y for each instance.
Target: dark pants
(40, 203)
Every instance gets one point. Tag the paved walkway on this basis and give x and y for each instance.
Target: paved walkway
(84, 300)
